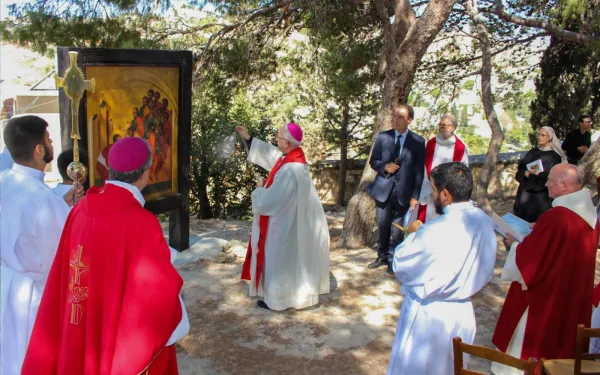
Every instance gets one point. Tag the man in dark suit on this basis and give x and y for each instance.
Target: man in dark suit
(399, 160)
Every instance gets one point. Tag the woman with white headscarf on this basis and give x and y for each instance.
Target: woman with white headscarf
(532, 197)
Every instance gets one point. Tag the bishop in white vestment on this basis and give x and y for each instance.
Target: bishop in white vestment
(289, 227)
(441, 266)
(443, 148)
(32, 222)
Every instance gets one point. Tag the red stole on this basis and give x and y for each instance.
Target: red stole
(459, 152)
(294, 156)
(596, 295)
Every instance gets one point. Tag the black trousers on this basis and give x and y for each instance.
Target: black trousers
(389, 235)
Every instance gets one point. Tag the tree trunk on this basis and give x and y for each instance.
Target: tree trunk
(339, 199)
(201, 180)
(405, 43)
(481, 190)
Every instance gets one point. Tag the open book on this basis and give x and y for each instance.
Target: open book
(509, 223)
(535, 166)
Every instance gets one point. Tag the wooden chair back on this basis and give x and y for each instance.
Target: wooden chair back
(490, 354)
(582, 335)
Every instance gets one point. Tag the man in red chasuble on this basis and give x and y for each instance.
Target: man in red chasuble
(552, 274)
(111, 304)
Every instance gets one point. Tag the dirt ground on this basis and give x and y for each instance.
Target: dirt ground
(349, 332)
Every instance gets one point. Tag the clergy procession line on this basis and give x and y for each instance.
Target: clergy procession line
(90, 288)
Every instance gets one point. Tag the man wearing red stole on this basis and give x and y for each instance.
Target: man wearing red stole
(443, 148)
(111, 304)
(288, 254)
(552, 274)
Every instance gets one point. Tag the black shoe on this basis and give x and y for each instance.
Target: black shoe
(262, 305)
(390, 269)
(377, 263)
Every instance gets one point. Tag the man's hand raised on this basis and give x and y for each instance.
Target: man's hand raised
(243, 131)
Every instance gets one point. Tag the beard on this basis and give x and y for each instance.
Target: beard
(439, 209)
(48, 155)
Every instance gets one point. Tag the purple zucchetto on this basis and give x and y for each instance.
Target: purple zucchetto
(295, 131)
(128, 154)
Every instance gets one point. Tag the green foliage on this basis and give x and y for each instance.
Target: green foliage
(349, 97)
(569, 85)
(476, 144)
(40, 25)
(469, 85)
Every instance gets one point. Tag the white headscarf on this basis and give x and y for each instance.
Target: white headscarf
(554, 143)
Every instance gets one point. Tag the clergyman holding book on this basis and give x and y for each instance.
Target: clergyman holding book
(532, 197)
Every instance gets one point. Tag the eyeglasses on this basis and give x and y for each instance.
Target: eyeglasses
(445, 126)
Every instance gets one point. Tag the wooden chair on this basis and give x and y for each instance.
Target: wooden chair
(490, 354)
(584, 362)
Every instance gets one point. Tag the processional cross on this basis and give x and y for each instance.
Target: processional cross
(74, 85)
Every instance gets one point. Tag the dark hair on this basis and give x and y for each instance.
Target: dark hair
(409, 109)
(454, 177)
(135, 175)
(65, 158)
(22, 135)
(583, 117)
(116, 137)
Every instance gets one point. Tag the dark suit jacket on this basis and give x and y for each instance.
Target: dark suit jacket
(408, 178)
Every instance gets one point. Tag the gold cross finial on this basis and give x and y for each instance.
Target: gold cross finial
(74, 85)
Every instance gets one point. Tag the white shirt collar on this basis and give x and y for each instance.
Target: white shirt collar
(459, 206)
(137, 194)
(27, 171)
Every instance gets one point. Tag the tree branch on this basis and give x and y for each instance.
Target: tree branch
(572, 36)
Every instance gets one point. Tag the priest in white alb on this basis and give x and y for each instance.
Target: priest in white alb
(32, 222)
(441, 266)
(288, 255)
(443, 148)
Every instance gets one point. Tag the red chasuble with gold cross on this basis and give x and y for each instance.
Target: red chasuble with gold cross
(112, 297)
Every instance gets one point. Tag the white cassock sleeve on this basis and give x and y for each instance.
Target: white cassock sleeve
(49, 224)
(410, 260)
(183, 327)
(510, 271)
(263, 154)
(270, 201)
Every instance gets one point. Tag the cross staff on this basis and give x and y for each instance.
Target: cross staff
(74, 85)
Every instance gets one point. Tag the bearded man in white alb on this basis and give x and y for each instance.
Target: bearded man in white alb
(32, 222)
(288, 255)
(440, 266)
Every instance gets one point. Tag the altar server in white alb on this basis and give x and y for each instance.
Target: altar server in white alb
(288, 255)
(443, 148)
(32, 222)
(440, 266)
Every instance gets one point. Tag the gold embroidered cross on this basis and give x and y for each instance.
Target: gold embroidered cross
(78, 265)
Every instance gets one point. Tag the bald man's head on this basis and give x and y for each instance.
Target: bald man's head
(564, 179)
